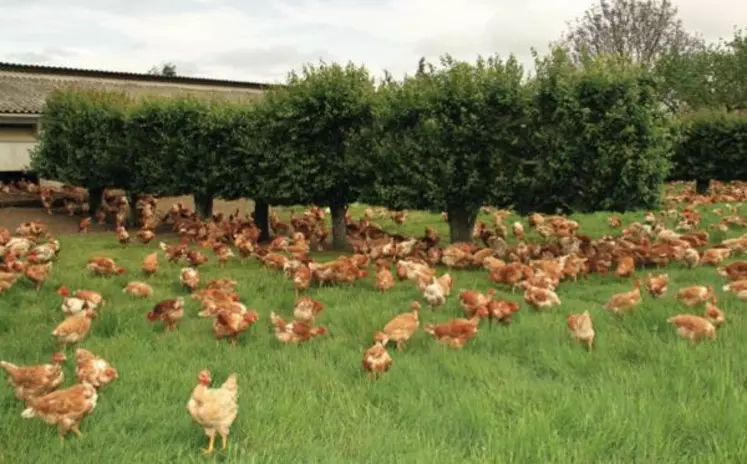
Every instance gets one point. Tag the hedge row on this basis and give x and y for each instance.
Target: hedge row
(711, 146)
(451, 137)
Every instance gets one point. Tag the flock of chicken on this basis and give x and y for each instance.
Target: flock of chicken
(536, 268)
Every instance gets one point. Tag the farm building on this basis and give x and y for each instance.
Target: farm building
(24, 88)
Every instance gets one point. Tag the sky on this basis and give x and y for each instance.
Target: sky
(260, 41)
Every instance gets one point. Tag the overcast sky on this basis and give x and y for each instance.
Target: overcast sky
(261, 40)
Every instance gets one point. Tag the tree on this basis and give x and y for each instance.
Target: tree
(166, 69)
(449, 138)
(318, 139)
(640, 29)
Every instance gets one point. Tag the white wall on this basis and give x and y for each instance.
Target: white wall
(14, 156)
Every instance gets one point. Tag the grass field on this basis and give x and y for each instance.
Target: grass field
(523, 393)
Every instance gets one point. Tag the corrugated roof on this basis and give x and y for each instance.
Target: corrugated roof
(24, 88)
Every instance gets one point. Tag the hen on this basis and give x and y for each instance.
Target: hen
(74, 328)
(93, 369)
(582, 328)
(693, 328)
(170, 312)
(214, 409)
(457, 332)
(228, 324)
(296, 331)
(33, 381)
(401, 328)
(65, 408)
(376, 360)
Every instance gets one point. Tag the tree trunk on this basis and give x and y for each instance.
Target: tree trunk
(204, 205)
(94, 200)
(133, 220)
(339, 230)
(461, 223)
(262, 219)
(702, 186)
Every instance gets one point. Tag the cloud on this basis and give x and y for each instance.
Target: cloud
(262, 41)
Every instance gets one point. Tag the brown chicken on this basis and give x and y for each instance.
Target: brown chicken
(696, 294)
(94, 299)
(472, 300)
(693, 328)
(190, 278)
(103, 266)
(38, 274)
(226, 285)
(74, 328)
(376, 360)
(215, 409)
(170, 312)
(401, 328)
(502, 311)
(196, 259)
(138, 289)
(734, 271)
(512, 274)
(307, 309)
(145, 236)
(296, 331)
(150, 264)
(582, 328)
(228, 324)
(715, 315)
(540, 298)
(384, 276)
(621, 303)
(625, 266)
(738, 288)
(84, 226)
(456, 332)
(657, 285)
(715, 256)
(93, 369)
(302, 279)
(37, 380)
(122, 235)
(64, 408)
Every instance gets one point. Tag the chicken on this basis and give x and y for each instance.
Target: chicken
(437, 291)
(222, 253)
(170, 312)
(230, 325)
(74, 328)
(696, 294)
(734, 271)
(94, 299)
(302, 278)
(376, 360)
(693, 328)
(540, 298)
(691, 257)
(196, 259)
(93, 369)
(621, 303)
(738, 288)
(384, 276)
(150, 264)
(518, 230)
(71, 305)
(401, 328)
(456, 332)
(38, 273)
(715, 256)
(657, 285)
(214, 409)
(471, 300)
(122, 235)
(306, 309)
(103, 266)
(296, 331)
(65, 408)
(84, 226)
(226, 285)
(38, 380)
(502, 311)
(138, 289)
(625, 266)
(190, 278)
(145, 236)
(715, 315)
(581, 328)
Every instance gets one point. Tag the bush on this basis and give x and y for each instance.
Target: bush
(450, 139)
(711, 146)
(601, 140)
(83, 141)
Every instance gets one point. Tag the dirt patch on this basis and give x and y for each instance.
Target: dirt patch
(59, 223)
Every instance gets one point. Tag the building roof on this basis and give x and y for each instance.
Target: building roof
(24, 88)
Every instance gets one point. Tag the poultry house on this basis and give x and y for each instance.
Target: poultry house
(38, 380)
(214, 409)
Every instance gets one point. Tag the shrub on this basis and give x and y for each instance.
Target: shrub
(712, 145)
(601, 140)
(450, 139)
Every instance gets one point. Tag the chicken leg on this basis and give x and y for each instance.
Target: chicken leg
(224, 439)
(211, 445)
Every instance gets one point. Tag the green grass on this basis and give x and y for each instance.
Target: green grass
(523, 393)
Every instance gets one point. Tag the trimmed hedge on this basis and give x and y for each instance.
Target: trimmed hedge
(711, 146)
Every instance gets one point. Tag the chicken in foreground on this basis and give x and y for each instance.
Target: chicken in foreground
(401, 328)
(582, 329)
(692, 327)
(457, 332)
(93, 369)
(296, 331)
(214, 409)
(74, 328)
(38, 380)
(620, 303)
(376, 360)
(228, 324)
(170, 312)
(65, 408)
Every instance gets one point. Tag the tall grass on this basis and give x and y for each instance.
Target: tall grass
(523, 393)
